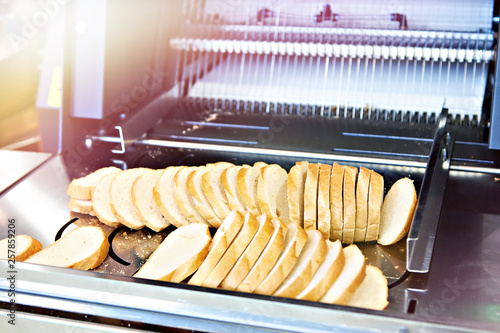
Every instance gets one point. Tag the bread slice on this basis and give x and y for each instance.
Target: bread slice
(375, 199)
(373, 292)
(214, 190)
(324, 215)
(307, 264)
(267, 259)
(101, 201)
(349, 202)
(349, 279)
(295, 192)
(336, 202)
(81, 188)
(83, 248)
(81, 206)
(234, 251)
(144, 203)
(327, 273)
(246, 181)
(24, 246)
(164, 195)
(362, 187)
(295, 240)
(121, 197)
(221, 241)
(179, 255)
(397, 211)
(228, 179)
(183, 198)
(311, 197)
(272, 192)
(195, 188)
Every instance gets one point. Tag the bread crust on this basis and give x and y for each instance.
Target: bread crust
(214, 190)
(349, 203)
(324, 215)
(228, 179)
(311, 197)
(195, 188)
(33, 246)
(375, 199)
(336, 203)
(295, 192)
(81, 188)
(362, 188)
(184, 199)
(248, 189)
(101, 201)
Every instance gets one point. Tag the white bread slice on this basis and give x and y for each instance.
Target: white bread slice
(214, 190)
(179, 255)
(101, 201)
(25, 246)
(272, 192)
(349, 202)
(228, 179)
(246, 181)
(307, 264)
(183, 198)
(164, 195)
(336, 202)
(144, 203)
(234, 251)
(311, 197)
(295, 192)
(195, 188)
(397, 211)
(267, 259)
(121, 197)
(375, 199)
(81, 188)
(248, 258)
(81, 206)
(327, 273)
(83, 248)
(221, 241)
(373, 292)
(349, 279)
(324, 215)
(362, 188)
(295, 240)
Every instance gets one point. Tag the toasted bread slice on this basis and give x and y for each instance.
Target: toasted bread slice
(164, 195)
(362, 187)
(222, 239)
(336, 202)
(228, 179)
(214, 190)
(272, 192)
(144, 203)
(246, 181)
(295, 192)
(375, 199)
(83, 248)
(311, 197)
(307, 264)
(295, 240)
(101, 201)
(397, 211)
(179, 255)
(183, 198)
(324, 215)
(195, 188)
(349, 202)
(327, 273)
(81, 188)
(81, 206)
(349, 279)
(373, 292)
(25, 246)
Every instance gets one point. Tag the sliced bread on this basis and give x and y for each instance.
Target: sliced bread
(246, 181)
(81, 206)
(349, 203)
(184, 199)
(214, 190)
(228, 179)
(21, 247)
(336, 203)
(195, 188)
(362, 187)
(373, 292)
(272, 192)
(295, 192)
(324, 215)
(311, 197)
(101, 201)
(81, 188)
(375, 199)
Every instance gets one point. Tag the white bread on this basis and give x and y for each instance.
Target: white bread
(25, 246)
(164, 196)
(324, 215)
(295, 192)
(307, 264)
(179, 255)
(195, 188)
(272, 192)
(246, 181)
(234, 251)
(336, 202)
(397, 211)
(81, 188)
(81, 206)
(311, 197)
(295, 240)
(101, 201)
(362, 188)
(375, 199)
(349, 279)
(183, 198)
(221, 241)
(228, 179)
(214, 190)
(327, 273)
(349, 202)
(83, 248)
(144, 203)
(248, 258)
(267, 259)
(373, 292)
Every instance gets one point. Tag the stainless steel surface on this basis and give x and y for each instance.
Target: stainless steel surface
(15, 165)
